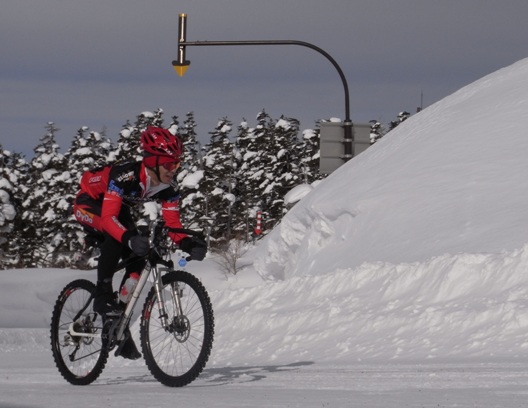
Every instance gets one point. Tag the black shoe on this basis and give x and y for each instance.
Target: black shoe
(128, 350)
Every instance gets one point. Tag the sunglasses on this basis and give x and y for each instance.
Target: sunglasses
(171, 166)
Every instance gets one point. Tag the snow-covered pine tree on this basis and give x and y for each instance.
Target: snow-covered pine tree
(242, 209)
(283, 167)
(310, 155)
(105, 151)
(46, 208)
(190, 175)
(376, 131)
(191, 154)
(7, 206)
(254, 146)
(402, 116)
(19, 176)
(88, 151)
(218, 183)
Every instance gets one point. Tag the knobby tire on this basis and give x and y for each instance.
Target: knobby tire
(89, 355)
(177, 355)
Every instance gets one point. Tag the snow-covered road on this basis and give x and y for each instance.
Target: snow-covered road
(30, 379)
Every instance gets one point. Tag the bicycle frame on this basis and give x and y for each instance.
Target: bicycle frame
(152, 267)
(124, 319)
(157, 273)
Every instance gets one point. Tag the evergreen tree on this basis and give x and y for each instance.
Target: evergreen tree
(242, 208)
(376, 131)
(46, 206)
(271, 166)
(402, 116)
(7, 206)
(310, 155)
(273, 161)
(191, 154)
(253, 179)
(192, 204)
(104, 150)
(89, 150)
(283, 167)
(219, 168)
(19, 177)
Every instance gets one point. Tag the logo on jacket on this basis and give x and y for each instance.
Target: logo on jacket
(84, 216)
(126, 177)
(112, 188)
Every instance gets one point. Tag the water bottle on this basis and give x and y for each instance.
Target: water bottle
(128, 288)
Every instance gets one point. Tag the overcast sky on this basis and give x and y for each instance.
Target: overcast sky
(99, 63)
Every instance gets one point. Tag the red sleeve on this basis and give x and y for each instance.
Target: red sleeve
(109, 213)
(171, 215)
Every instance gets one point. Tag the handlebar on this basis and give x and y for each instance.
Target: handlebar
(198, 234)
(159, 241)
(155, 230)
(159, 232)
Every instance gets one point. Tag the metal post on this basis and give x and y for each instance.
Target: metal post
(181, 64)
(348, 140)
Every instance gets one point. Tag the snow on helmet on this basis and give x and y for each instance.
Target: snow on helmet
(160, 143)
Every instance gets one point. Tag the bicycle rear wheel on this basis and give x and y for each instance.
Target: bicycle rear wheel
(80, 359)
(176, 355)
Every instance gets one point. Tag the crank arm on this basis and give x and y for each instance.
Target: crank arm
(72, 332)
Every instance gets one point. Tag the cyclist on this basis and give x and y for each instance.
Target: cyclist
(103, 204)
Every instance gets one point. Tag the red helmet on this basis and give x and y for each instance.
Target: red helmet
(157, 141)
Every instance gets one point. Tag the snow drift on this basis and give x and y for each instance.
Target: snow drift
(451, 179)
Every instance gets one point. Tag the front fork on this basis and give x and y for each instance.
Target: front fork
(160, 293)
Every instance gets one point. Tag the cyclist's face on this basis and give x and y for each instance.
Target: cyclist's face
(168, 171)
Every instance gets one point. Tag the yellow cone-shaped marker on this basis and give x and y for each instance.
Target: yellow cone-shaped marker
(180, 68)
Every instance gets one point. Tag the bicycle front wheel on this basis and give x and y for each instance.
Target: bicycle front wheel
(177, 354)
(76, 334)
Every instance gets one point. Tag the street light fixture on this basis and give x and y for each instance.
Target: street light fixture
(181, 65)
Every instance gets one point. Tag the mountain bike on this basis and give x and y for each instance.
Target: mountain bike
(176, 323)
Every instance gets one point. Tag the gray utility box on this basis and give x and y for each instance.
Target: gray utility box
(332, 143)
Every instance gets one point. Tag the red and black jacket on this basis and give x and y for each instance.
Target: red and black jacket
(126, 183)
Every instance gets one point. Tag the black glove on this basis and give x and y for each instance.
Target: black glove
(195, 247)
(139, 245)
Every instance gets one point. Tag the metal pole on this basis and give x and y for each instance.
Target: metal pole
(349, 134)
(181, 64)
(182, 32)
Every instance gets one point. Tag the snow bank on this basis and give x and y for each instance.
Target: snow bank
(461, 306)
(450, 179)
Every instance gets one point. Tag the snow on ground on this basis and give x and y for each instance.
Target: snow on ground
(400, 280)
